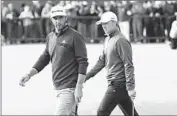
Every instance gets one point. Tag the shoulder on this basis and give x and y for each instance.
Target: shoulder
(122, 41)
(50, 35)
(174, 22)
(76, 35)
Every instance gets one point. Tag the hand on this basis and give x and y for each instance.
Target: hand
(175, 13)
(78, 93)
(23, 80)
(129, 13)
(132, 94)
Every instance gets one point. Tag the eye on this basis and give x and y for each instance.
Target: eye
(55, 18)
(58, 18)
(103, 24)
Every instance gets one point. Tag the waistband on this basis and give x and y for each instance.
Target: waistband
(119, 84)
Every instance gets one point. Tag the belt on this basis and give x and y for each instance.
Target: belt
(118, 84)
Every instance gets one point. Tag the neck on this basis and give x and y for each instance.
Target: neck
(60, 31)
(113, 33)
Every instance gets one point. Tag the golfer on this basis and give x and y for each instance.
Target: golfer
(66, 50)
(117, 59)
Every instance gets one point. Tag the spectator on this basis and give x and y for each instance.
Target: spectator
(137, 12)
(83, 23)
(38, 23)
(110, 6)
(113, 6)
(107, 6)
(92, 27)
(4, 11)
(22, 7)
(173, 34)
(124, 18)
(21, 27)
(100, 31)
(175, 5)
(46, 14)
(27, 18)
(2, 40)
(72, 13)
(169, 11)
(61, 3)
(159, 21)
(149, 20)
(12, 25)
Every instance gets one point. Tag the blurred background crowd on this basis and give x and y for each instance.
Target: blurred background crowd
(140, 21)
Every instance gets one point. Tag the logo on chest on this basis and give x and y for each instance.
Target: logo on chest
(63, 42)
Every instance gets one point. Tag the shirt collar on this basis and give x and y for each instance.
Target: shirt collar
(63, 30)
(114, 33)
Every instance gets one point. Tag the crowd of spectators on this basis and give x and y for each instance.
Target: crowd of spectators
(137, 19)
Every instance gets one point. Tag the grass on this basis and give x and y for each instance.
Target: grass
(155, 73)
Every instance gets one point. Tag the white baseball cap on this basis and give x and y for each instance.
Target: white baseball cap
(57, 11)
(106, 17)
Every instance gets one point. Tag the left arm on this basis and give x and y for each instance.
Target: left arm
(81, 57)
(125, 51)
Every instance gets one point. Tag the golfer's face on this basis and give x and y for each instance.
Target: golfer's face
(58, 21)
(108, 27)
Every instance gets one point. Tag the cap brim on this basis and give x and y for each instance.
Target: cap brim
(57, 14)
(101, 22)
(98, 22)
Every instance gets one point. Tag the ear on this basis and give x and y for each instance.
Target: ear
(115, 23)
(66, 19)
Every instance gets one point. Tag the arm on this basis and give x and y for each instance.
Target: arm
(124, 49)
(21, 15)
(173, 32)
(43, 61)
(81, 57)
(98, 67)
(39, 65)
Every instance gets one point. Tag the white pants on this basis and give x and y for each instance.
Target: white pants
(125, 29)
(65, 102)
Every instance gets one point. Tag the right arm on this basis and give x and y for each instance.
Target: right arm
(98, 66)
(42, 61)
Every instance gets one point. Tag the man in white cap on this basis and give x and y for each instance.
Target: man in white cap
(117, 59)
(66, 50)
(173, 34)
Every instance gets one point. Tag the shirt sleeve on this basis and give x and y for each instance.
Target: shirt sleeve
(124, 50)
(81, 53)
(100, 64)
(173, 31)
(43, 60)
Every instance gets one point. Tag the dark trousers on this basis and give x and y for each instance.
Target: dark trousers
(116, 96)
(173, 43)
(137, 26)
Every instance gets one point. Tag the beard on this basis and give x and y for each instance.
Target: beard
(59, 27)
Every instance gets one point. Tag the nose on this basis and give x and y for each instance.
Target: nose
(104, 26)
(57, 21)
